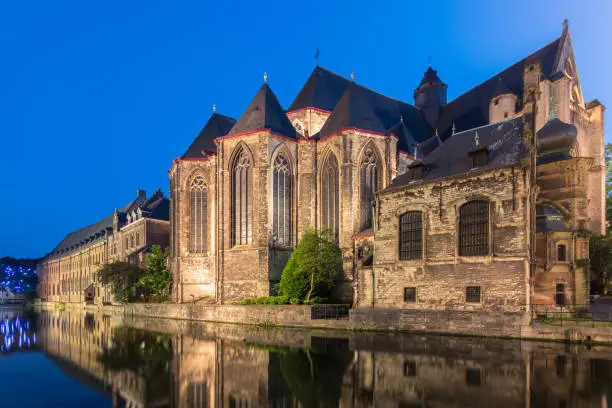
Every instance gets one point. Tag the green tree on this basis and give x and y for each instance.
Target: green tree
(122, 278)
(156, 279)
(312, 269)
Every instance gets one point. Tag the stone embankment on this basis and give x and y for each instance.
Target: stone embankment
(500, 324)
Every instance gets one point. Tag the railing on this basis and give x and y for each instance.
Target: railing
(589, 315)
(340, 312)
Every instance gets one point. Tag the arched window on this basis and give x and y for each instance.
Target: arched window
(330, 197)
(197, 215)
(411, 235)
(369, 170)
(132, 241)
(241, 199)
(137, 239)
(281, 218)
(474, 228)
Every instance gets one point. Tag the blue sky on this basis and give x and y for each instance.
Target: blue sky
(97, 98)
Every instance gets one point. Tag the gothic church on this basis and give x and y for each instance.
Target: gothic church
(432, 203)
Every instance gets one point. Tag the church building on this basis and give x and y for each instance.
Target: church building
(480, 202)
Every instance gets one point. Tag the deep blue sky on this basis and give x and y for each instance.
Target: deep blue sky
(97, 98)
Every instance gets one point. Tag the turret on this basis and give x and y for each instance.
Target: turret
(430, 96)
(502, 105)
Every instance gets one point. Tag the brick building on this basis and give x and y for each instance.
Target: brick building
(68, 273)
(432, 204)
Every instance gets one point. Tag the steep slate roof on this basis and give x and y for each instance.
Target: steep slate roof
(264, 112)
(471, 109)
(365, 109)
(503, 140)
(322, 90)
(218, 125)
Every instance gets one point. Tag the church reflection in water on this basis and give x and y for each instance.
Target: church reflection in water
(186, 364)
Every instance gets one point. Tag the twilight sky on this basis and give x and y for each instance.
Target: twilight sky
(97, 98)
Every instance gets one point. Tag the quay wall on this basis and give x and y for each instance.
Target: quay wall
(176, 317)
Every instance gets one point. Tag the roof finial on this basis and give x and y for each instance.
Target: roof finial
(416, 147)
(429, 61)
(565, 24)
(214, 108)
(476, 139)
(402, 118)
(353, 75)
(454, 129)
(551, 109)
(436, 132)
(316, 56)
(265, 77)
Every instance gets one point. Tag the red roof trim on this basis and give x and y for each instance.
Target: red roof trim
(250, 132)
(363, 234)
(370, 132)
(309, 107)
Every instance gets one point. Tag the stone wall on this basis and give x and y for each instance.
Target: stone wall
(441, 276)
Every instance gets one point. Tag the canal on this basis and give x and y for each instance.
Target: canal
(77, 359)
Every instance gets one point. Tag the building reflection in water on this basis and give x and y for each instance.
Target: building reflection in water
(197, 365)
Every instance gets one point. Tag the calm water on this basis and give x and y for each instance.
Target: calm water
(72, 359)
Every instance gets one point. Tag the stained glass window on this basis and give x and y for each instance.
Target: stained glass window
(241, 199)
(281, 218)
(198, 215)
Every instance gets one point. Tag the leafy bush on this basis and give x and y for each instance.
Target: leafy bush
(156, 280)
(312, 269)
(122, 278)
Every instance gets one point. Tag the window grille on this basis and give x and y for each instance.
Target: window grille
(472, 294)
(410, 295)
(411, 235)
(281, 218)
(241, 199)
(474, 229)
(370, 181)
(560, 294)
(198, 215)
(330, 197)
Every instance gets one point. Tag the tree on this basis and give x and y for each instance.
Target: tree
(122, 278)
(156, 279)
(312, 269)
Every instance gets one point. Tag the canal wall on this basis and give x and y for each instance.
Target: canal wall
(501, 323)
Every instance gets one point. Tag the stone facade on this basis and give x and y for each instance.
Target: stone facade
(68, 273)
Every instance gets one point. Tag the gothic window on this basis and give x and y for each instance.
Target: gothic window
(330, 197)
(474, 229)
(198, 215)
(411, 235)
(137, 239)
(281, 218)
(369, 169)
(241, 199)
(132, 241)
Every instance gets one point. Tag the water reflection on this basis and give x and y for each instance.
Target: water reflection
(183, 364)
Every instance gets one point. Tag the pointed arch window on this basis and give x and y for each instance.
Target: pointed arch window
(474, 228)
(369, 173)
(241, 199)
(198, 215)
(330, 197)
(281, 217)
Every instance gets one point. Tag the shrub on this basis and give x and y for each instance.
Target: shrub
(156, 280)
(312, 269)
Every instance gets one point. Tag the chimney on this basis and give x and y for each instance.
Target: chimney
(141, 193)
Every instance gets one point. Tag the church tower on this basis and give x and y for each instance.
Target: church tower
(430, 96)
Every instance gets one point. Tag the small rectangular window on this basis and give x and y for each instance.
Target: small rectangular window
(560, 294)
(410, 295)
(561, 253)
(410, 369)
(472, 294)
(473, 377)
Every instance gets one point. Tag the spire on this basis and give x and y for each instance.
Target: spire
(476, 139)
(551, 109)
(454, 129)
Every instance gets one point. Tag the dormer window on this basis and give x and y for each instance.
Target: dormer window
(416, 171)
(480, 157)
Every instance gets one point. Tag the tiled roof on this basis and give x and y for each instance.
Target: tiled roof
(503, 141)
(322, 90)
(218, 125)
(471, 109)
(264, 112)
